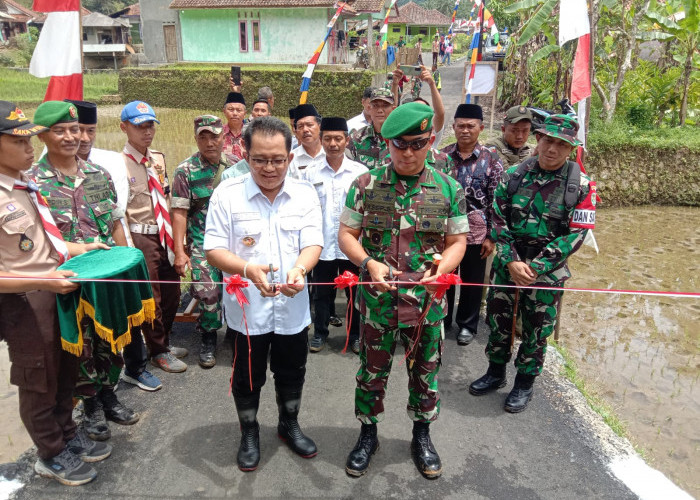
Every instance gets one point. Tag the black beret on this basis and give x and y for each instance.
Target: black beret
(234, 97)
(469, 111)
(334, 123)
(304, 110)
(87, 111)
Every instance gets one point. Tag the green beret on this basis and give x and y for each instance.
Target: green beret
(50, 113)
(413, 118)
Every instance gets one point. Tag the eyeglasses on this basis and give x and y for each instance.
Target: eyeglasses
(263, 162)
(415, 144)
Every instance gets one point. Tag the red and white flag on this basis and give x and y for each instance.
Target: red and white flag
(57, 53)
(574, 24)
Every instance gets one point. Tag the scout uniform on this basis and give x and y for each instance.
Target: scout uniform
(193, 184)
(506, 153)
(403, 222)
(85, 209)
(44, 373)
(366, 145)
(153, 236)
(233, 143)
(530, 225)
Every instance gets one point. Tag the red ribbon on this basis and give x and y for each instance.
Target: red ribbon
(234, 284)
(347, 280)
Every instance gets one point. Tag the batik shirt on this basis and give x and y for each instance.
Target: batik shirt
(232, 145)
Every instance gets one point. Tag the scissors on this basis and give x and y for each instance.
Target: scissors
(272, 275)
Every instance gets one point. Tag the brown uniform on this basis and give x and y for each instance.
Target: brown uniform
(144, 233)
(44, 373)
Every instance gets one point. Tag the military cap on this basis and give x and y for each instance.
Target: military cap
(138, 112)
(469, 111)
(382, 95)
(235, 97)
(334, 123)
(414, 118)
(518, 113)
(50, 113)
(562, 127)
(87, 111)
(208, 122)
(14, 122)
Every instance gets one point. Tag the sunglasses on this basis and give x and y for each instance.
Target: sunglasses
(415, 144)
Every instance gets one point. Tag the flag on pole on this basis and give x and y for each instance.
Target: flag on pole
(581, 78)
(574, 24)
(475, 53)
(384, 31)
(311, 65)
(57, 53)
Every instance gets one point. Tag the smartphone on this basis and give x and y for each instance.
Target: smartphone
(236, 75)
(411, 70)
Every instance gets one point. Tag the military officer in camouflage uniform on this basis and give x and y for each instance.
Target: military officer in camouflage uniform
(531, 217)
(367, 146)
(194, 182)
(82, 200)
(396, 218)
(512, 146)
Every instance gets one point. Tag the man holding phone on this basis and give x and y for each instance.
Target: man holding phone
(367, 145)
(234, 112)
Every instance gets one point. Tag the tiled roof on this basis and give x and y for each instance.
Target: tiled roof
(131, 10)
(415, 15)
(248, 4)
(369, 5)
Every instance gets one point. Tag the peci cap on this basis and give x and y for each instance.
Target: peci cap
(334, 123)
(382, 95)
(291, 113)
(87, 111)
(50, 113)
(562, 127)
(208, 122)
(413, 118)
(304, 110)
(14, 122)
(518, 113)
(138, 112)
(469, 111)
(236, 97)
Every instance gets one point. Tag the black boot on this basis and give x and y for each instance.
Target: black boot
(207, 350)
(94, 422)
(521, 394)
(249, 449)
(288, 402)
(114, 410)
(495, 378)
(360, 456)
(423, 452)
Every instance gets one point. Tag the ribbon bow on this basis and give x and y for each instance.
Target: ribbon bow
(234, 285)
(347, 280)
(445, 281)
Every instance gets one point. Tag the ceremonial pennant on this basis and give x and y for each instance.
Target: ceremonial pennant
(306, 77)
(385, 27)
(475, 53)
(454, 15)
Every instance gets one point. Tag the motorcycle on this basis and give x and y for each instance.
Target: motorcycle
(362, 57)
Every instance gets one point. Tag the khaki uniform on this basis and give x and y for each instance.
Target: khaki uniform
(508, 155)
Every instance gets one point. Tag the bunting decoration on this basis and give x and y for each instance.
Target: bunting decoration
(384, 31)
(454, 15)
(306, 77)
(475, 53)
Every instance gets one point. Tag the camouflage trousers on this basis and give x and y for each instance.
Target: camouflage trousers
(538, 309)
(206, 292)
(99, 366)
(377, 345)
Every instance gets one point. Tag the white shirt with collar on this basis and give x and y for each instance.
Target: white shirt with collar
(242, 220)
(332, 189)
(357, 122)
(302, 160)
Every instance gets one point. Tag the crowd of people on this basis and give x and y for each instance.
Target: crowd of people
(286, 208)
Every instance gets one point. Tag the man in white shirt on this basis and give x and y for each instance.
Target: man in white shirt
(259, 224)
(331, 177)
(307, 126)
(363, 119)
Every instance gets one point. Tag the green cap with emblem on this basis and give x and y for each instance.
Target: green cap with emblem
(413, 118)
(518, 113)
(50, 113)
(562, 127)
(208, 122)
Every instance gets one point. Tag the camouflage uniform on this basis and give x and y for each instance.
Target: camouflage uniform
(193, 185)
(388, 210)
(528, 227)
(508, 155)
(85, 210)
(368, 147)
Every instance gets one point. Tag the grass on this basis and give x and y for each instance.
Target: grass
(22, 88)
(620, 133)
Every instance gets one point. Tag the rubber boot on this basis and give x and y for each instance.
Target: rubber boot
(288, 402)
(361, 455)
(115, 410)
(495, 378)
(423, 452)
(521, 394)
(94, 422)
(249, 449)
(207, 350)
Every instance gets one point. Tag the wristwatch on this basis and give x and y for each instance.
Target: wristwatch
(363, 266)
(303, 269)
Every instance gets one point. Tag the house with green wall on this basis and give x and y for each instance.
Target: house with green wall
(257, 31)
(414, 21)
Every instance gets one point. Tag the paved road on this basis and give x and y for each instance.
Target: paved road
(185, 444)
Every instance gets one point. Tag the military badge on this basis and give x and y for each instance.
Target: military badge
(16, 115)
(25, 243)
(424, 124)
(248, 241)
(72, 112)
(522, 110)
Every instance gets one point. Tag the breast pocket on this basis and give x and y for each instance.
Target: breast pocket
(430, 231)
(321, 193)
(376, 232)
(103, 215)
(290, 226)
(247, 235)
